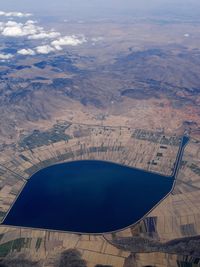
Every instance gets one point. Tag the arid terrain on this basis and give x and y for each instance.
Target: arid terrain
(142, 75)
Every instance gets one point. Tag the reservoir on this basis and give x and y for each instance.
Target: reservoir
(87, 196)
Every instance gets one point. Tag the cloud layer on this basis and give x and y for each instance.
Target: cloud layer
(44, 49)
(26, 52)
(30, 28)
(68, 40)
(15, 14)
(5, 56)
(44, 35)
(44, 41)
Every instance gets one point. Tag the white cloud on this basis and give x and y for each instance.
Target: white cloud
(97, 39)
(15, 29)
(32, 31)
(72, 40)
(31, 21)
(5, 56)
(15, 14)
(29, 29)
(12, 31)
(11, 23)
(26, 52)
(44, 35)
(1, 26)
(44, 49)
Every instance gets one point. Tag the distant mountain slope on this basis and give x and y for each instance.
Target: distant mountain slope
(33, 92)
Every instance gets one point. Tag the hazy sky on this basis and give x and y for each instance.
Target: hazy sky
(103, 8)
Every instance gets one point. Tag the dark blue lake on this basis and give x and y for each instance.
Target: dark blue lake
(87, 196)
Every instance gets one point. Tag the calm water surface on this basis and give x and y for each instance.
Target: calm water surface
(87, 196)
